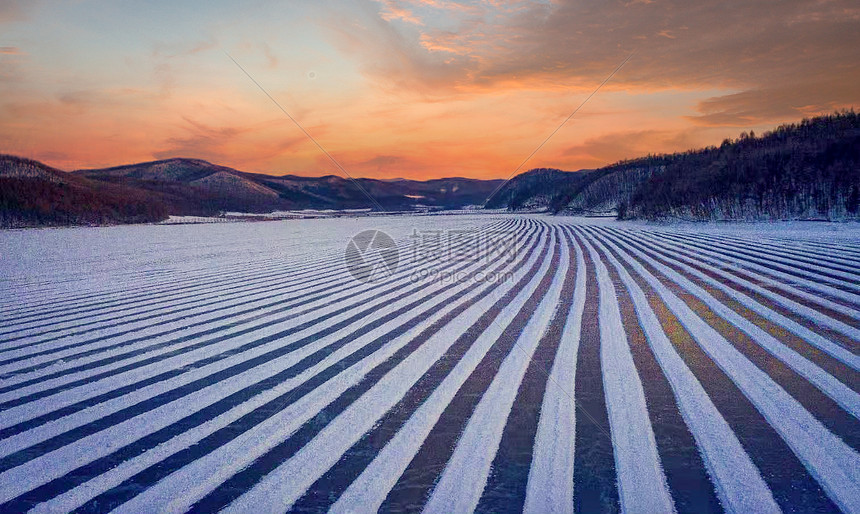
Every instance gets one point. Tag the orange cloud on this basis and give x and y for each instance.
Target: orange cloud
(416, 88)
(392, 10)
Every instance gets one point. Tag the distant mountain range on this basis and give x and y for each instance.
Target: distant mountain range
(34, 194)
(808, 170)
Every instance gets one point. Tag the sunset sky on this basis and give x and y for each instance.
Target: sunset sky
(412, 88)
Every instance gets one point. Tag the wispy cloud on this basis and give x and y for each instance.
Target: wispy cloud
(626, 144)
(733, 44)
(218, 143)
(394, 10)
(413, 88)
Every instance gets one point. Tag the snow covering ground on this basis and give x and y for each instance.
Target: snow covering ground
(606, 365)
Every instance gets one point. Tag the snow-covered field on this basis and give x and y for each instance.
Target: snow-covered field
(606, 366)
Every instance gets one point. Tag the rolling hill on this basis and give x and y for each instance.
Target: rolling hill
(212, 188)
(807, 170)
(34, 194)
(538, 189)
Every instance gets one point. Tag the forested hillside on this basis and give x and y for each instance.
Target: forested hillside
(34, 194)
(536, 189)
(807, 170)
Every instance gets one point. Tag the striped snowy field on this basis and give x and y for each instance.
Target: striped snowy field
(500, 363)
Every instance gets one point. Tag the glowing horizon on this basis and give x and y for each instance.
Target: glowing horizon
(415, 89)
